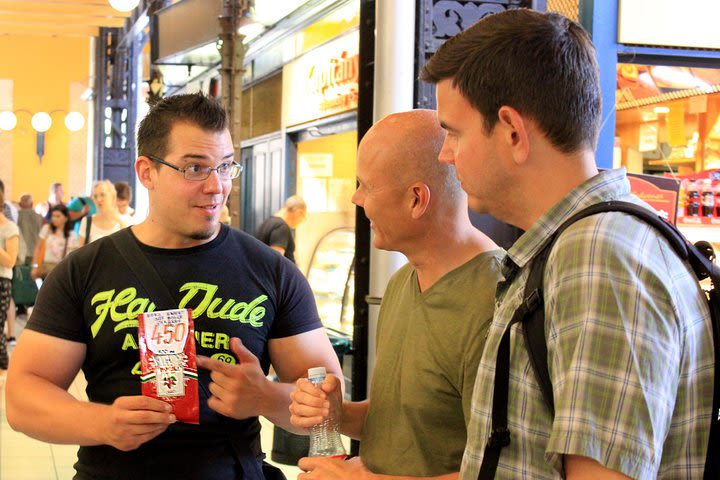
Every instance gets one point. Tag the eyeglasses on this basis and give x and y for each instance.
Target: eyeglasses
(197, 172)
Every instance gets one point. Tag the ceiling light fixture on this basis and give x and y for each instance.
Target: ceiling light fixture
(41, 123)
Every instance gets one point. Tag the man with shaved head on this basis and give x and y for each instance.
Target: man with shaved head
(429, 337)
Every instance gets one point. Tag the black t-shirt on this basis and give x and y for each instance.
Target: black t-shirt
(235, 286)
(276, 232)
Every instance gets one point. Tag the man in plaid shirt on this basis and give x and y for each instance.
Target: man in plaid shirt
(627, 327)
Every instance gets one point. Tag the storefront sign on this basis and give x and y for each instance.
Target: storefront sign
(659, 192)
(322, 82)
(315, 165)
(669, 23)
(648, 138)
(676, 125)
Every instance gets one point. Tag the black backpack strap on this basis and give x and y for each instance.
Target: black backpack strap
(500, 435)
(88, 226)
(533, 327)
(141, 267)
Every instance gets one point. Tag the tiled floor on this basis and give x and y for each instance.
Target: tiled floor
(22, 458)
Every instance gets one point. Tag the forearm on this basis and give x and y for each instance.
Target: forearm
(74, 215)
(275, 405)
(353, 419)
(6, 260)
(49, 413)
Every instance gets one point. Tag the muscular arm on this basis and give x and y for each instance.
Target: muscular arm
(39, 405)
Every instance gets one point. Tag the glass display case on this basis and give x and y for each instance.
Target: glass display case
(331, 277)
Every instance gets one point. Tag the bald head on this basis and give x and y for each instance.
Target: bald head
(406, 145)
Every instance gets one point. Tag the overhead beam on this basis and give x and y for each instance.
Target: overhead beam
(49, 29)
(72, 20)
(104, 10)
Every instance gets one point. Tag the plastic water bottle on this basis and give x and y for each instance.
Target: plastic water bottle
(325, 437)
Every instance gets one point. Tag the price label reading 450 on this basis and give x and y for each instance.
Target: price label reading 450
(166, 331)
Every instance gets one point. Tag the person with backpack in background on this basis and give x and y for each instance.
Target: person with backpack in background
(627, 327)
(80, 207)
(107, 220)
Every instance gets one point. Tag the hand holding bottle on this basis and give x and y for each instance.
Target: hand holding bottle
(310, 404)
(325, 438)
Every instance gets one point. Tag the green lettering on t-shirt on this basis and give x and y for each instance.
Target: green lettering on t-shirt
(129, 342)
(124, 307)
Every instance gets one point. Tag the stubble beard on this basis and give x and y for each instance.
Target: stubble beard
(205, 234)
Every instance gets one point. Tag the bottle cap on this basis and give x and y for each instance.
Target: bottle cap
(316, 372)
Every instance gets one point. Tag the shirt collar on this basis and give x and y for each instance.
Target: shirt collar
(607, 185)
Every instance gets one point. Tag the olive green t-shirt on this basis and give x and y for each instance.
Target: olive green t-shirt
(429, 345)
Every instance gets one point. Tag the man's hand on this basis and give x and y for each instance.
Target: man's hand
(310, 404)
(238, 390)
(134, 420)
(323, 468)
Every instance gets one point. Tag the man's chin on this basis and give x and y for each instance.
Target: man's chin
(205, 234)
(476, 205)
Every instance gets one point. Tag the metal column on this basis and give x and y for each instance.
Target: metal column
(232, 53)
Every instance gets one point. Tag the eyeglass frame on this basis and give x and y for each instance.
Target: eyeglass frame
(210, 169)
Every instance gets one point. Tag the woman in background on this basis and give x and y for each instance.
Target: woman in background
(9, 241)
(57, 239)
(107, 220)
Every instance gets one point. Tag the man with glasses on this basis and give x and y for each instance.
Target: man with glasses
(251, 307)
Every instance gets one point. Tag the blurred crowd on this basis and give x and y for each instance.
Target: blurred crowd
(38, 235)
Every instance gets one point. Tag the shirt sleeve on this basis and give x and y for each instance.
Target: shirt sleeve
(280, 236)
(297, 312)
(44, 232)
(614, 346)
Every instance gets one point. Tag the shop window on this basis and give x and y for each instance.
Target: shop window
(668, 125)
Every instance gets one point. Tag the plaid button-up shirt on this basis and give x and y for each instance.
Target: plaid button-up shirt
(629, 350)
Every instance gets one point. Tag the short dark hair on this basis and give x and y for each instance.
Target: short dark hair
(68, 224)
(194, 108)
(123, 190)
(541, 64)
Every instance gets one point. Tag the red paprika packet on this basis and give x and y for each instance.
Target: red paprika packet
(167, 360)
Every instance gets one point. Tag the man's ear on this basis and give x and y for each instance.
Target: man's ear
(144, 168)
(420, 199)
(516, 133)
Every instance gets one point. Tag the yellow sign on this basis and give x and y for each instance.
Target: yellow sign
(676, 125)
(322, 82)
